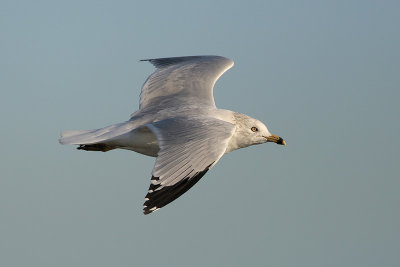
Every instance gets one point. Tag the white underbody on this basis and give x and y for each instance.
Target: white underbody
(136, 136)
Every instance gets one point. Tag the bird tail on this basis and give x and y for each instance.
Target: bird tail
(97, 139)
(77, 137)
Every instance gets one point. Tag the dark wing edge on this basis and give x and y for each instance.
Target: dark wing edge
(156, 199)
(168, 61)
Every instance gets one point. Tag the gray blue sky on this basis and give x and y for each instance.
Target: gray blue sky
(323, 75)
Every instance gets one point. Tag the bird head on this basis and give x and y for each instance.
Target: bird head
(251, 131)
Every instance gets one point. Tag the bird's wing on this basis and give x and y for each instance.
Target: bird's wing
(189, 147)
(182, 81)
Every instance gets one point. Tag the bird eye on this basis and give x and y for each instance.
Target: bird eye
(254, 129)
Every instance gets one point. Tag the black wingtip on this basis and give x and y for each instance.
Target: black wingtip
(148, 211)
(158, 197)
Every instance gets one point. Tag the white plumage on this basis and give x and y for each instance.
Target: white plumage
(178, 123)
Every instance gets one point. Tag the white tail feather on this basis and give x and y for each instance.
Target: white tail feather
(96, 135)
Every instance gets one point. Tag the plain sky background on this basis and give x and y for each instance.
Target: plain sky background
(324, 75)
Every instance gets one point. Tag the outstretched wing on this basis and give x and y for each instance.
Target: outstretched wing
(189, 147)
(183, 80)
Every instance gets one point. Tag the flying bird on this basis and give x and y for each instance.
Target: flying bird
(179, 124)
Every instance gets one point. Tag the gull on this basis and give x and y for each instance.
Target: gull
(179, 124)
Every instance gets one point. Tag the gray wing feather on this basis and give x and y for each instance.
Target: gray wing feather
(188, 80)
(188, 148)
